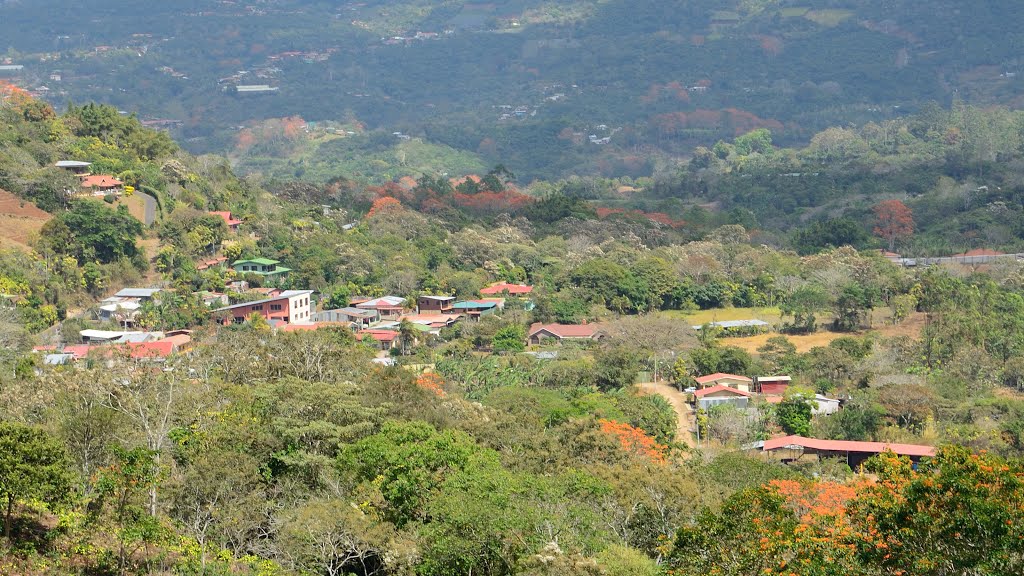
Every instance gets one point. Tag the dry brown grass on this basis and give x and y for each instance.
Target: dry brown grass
(911, 327)
(136, 206)
(20, 221)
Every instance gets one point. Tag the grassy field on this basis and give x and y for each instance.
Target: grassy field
(880, 321)
(771, 315)
(911, 327)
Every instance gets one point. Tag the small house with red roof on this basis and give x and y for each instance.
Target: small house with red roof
(389, 307)
(231, 222)
(101, 185)
(721, 394)
(562, 332)
(386, 339)
(730, 380)
(795, 448)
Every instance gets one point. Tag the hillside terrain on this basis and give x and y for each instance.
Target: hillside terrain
(550, 88)
(531, 288)
(20, 221)
(448, 376)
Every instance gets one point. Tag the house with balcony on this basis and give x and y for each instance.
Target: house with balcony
(265, 267)
(290, 307)
(436, 304)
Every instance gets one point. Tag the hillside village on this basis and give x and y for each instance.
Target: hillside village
(451, 374)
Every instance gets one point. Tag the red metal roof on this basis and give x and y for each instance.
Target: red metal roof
(720, 388)
(720, 375)
(227, 218)
(502, 287)
(101, 181)
(158, 349)
(378, 335)
(849, 446)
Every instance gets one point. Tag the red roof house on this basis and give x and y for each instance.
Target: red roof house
(387, 338)
(100, 184)
(228, 219)
(505, 287)
(855, 452)
(157, 351)
(560, 332)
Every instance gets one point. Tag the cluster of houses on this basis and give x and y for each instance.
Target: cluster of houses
(380, 319)
(739, 391)
(105, 345)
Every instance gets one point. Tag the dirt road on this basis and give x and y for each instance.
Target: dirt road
(686, 420)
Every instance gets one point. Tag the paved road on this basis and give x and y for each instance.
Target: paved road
(150, 208)
(686, 420)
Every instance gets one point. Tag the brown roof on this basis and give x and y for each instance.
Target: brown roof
(566, 330)
(378, 335)
(849, 446)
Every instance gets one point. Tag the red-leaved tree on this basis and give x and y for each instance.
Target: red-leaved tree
(895, 221)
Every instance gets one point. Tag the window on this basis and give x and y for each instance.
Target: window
(275, 307)
(258, 307)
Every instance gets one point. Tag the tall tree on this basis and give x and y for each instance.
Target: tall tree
(895, 221)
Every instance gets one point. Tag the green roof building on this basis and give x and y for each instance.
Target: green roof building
(269, 269)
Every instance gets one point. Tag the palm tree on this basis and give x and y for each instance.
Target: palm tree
(406, 335)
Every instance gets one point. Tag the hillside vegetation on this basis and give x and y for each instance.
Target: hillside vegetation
(267, 452)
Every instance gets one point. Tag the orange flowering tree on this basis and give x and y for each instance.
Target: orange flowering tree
(635, 440)
(956, 513)
(431, 382)
(384, 205)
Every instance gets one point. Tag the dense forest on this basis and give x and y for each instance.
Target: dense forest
(265, 451)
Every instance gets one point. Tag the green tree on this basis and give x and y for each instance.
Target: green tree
(616, 367)
(32, 465)
(509, 339)
(92, 231)
(794, 412)
(803, 304)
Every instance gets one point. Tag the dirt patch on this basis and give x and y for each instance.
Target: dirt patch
(686, 421)
(911, 327)
(20, 220)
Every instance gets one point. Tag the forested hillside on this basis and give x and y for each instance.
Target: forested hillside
(504, 443)
(550, 88)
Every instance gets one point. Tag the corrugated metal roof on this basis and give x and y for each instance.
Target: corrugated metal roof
(735, 324)
(137, 292)
(848, 446)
